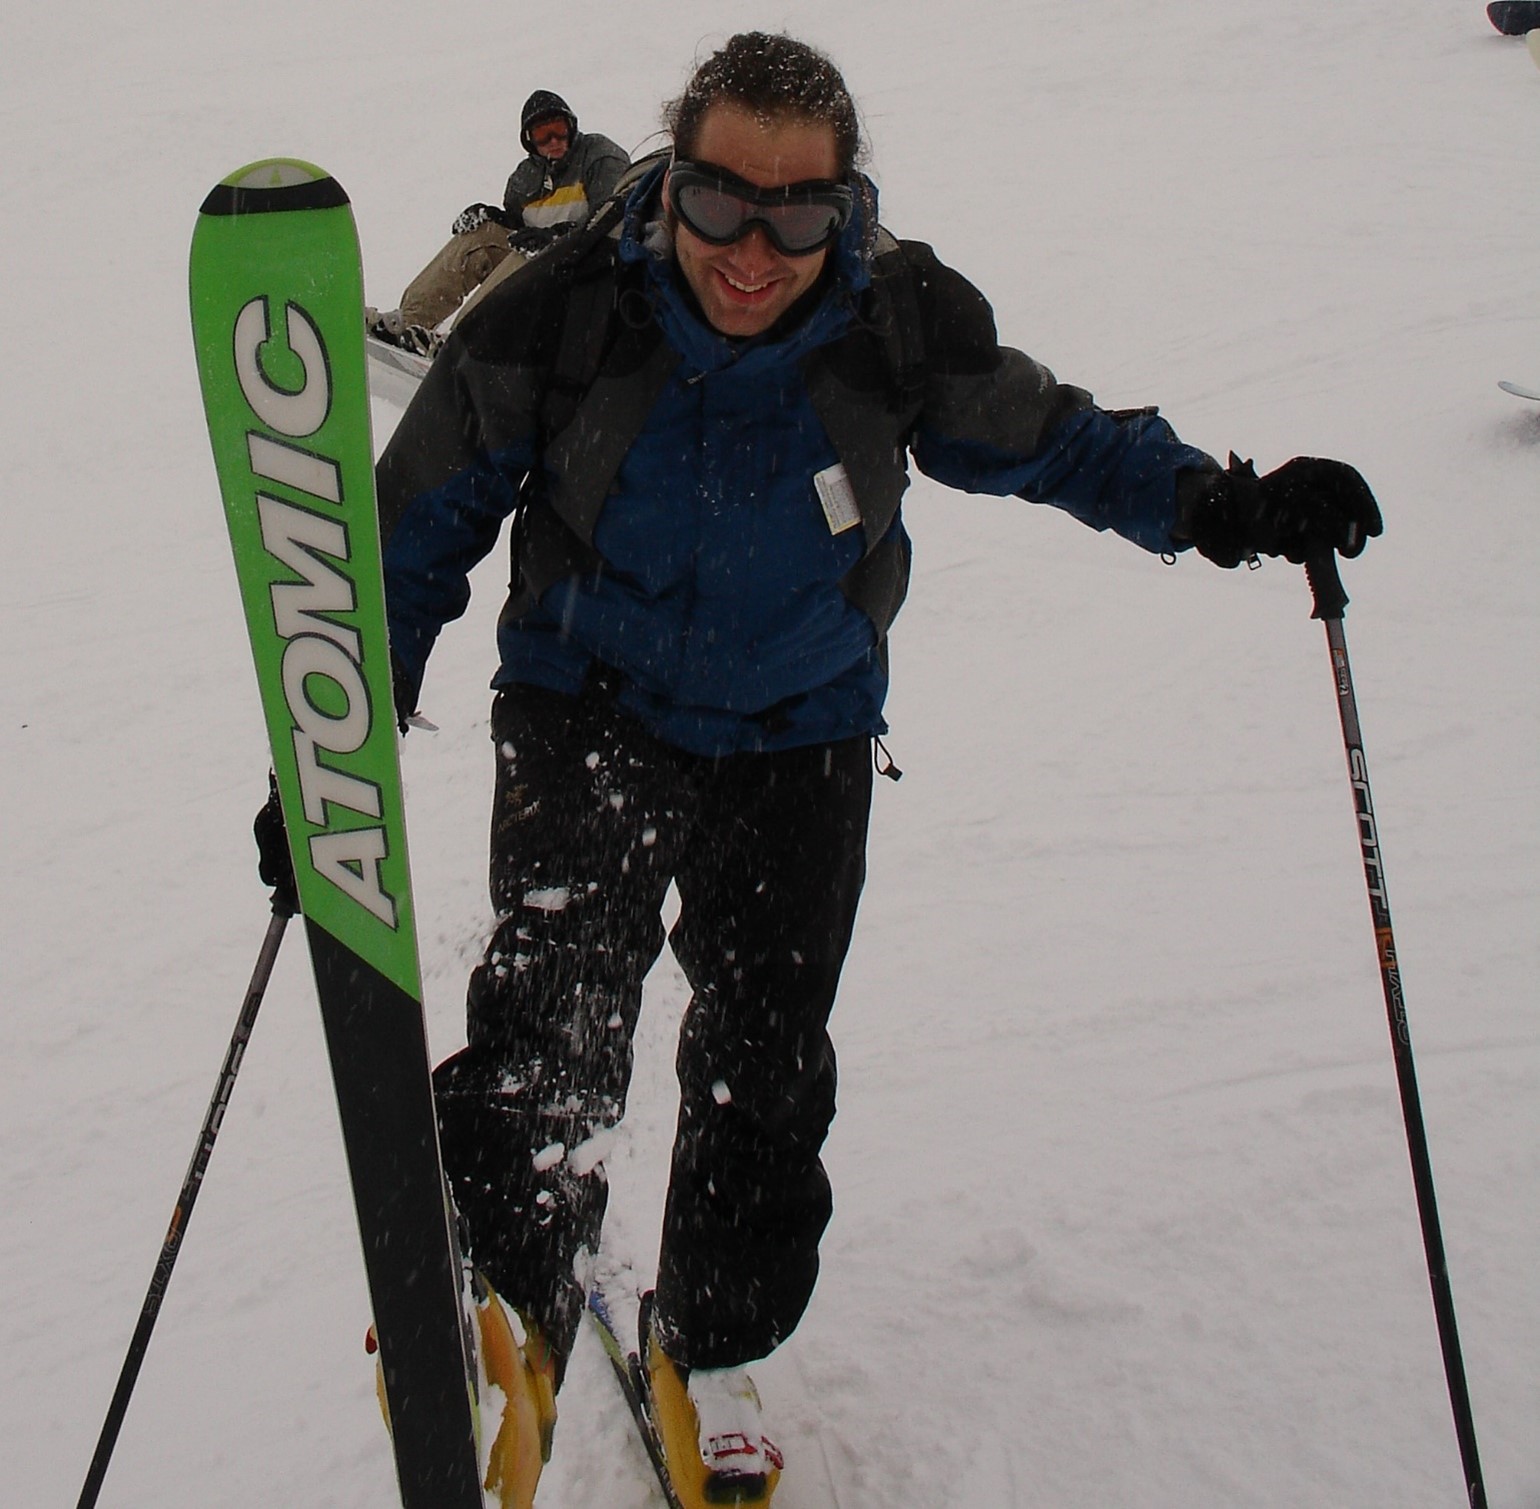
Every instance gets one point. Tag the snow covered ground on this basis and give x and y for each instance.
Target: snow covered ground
(1124, 1210)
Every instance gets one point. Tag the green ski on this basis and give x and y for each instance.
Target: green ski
(277, 310)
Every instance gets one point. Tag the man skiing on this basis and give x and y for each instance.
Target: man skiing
(701, 419)
(566, 173)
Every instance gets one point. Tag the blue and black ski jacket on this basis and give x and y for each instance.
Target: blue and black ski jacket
(716, 524)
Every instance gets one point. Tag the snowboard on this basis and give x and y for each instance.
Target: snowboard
(394, 374)
(277, 312)
(1514, 18)
(1520, 392)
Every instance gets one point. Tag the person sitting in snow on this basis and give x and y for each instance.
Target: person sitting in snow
(704, 408)
(566, 174)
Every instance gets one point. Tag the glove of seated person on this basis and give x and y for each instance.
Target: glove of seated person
(1307, 507)
(274, 865)
(474, 216)
(530, 239)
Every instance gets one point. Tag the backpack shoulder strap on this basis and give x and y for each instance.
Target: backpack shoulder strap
(898, 321)
(593, 285)
(580, 348)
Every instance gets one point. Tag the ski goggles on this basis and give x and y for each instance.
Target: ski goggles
(720, 208)
(547, 133)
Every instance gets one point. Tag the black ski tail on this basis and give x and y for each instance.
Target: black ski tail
(631, 1375)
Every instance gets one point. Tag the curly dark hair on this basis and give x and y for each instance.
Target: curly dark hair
(771, 75)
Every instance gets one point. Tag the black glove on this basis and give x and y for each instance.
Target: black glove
(530, 239)
(403, 692)
(474, 216)
(274, 865)
(1307, 507)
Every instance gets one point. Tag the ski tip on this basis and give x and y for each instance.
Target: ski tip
(275, 184)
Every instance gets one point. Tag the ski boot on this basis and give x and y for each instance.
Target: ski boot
(709, 1425)
(515, 1396)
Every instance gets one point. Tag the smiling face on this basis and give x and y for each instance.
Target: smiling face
(744, 288)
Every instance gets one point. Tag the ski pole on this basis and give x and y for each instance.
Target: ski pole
(1330, 601)
(184, 1204)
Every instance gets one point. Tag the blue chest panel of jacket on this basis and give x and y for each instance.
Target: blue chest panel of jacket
(720, 593)
(720, 602)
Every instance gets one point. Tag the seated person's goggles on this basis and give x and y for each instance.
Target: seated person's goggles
(721, 208)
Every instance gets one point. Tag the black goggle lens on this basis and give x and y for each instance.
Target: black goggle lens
(720, 208)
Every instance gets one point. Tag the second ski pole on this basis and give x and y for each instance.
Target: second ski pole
(140, 1342)
(1330, 603)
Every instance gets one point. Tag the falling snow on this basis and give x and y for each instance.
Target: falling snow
(1122, 1207)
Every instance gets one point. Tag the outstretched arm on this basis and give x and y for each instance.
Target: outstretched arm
(996, 421)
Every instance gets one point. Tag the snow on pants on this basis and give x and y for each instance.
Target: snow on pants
(593, 820)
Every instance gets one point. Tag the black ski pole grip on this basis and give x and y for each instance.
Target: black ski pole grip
(1326, 585)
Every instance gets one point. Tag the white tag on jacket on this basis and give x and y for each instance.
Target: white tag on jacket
(838, 498)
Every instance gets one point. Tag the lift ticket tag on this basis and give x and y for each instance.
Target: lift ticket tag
(838, 498)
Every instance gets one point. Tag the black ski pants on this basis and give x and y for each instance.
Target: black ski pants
(593, 819)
